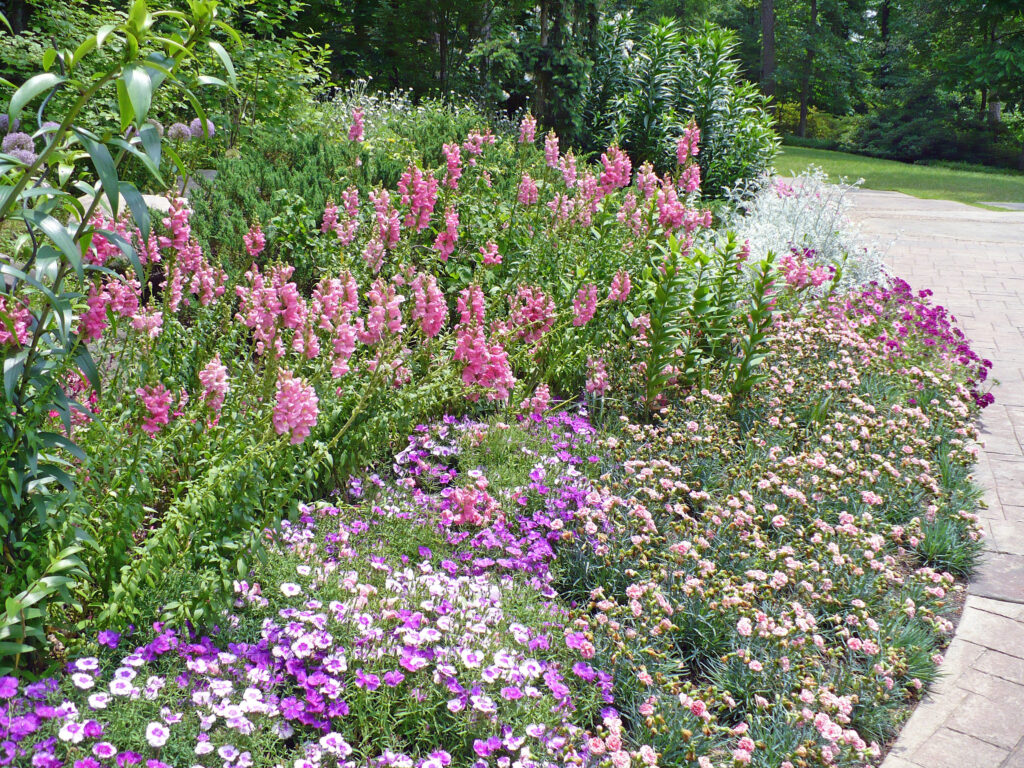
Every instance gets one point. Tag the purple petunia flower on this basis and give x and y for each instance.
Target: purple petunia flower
(8, 687)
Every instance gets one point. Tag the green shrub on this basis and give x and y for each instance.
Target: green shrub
(668, 79)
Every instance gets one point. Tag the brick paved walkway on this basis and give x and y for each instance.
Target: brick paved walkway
(973, 259)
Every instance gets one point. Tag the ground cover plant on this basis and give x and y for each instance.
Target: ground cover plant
(928, 181)
(698, 589)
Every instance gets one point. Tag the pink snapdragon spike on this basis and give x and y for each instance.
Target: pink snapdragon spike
(386, 217)
(214, 378)
(19, 316)
(688, 145)
(474, 145)
(540, 402)
(445, 241)
(419, 193)
(528, 129)
(355, 131)
(384, 314)
(101, 249)
(799, 271)
(330, 220)
(620, 286)
(486, 366)
(532, 312)
(94, 320)
(647, 181)
(528, 194)
(157, 401)
(470, 305)
(618, 170)
(254, 241)
(597, 377)
(567, 165)
(551, 150)
(453, 162)
(490, 253)
(584, 305)
(344, 345)
(148, 323)
(296, 408)
(689, 180)
(429, 306)
(124, 296)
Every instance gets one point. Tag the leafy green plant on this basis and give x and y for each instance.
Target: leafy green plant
(647, 87)
(41, 289)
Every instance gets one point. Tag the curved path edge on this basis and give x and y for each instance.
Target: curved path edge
(973, 261)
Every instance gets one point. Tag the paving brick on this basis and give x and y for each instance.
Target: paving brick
(973, 260)
(951, 749)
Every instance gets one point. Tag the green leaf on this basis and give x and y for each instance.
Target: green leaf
(30, 89)
(222, 54)
(150, 138)
(140, 211)
(60, 237)
(104, 165)
(56, 440)
(103, 32)
(140, 91)
(49, 57)
(124, 105)
(88, 368)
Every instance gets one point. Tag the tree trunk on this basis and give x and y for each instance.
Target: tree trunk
(768, 47)
(17, 12)
(805, 85)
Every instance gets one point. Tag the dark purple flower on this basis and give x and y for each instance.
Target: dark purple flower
(109, 638)
(8, 687)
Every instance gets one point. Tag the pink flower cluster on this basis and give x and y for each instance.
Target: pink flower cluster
(618, 170)
(429, 306)
(528, 194)
(255, 241)
(551, 150)
(620, 287)
(157, 402)
(474, 145)
(296, 407)
(539, 403)
(346, 231)
(444, 243)
(355, 131)
(597, 377)
(472, 505)
(528, 129)
(14, 322)
(203, 280)
(688, 145)
(797, 270)
(214, 378)
(490, 253)
(453, 161)
(584, 305)
(384, 313)
(419, 193)
(532, 312)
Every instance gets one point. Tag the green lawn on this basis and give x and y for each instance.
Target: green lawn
(934, 182)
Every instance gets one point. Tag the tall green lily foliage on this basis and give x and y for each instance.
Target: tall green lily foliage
(40, 293)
